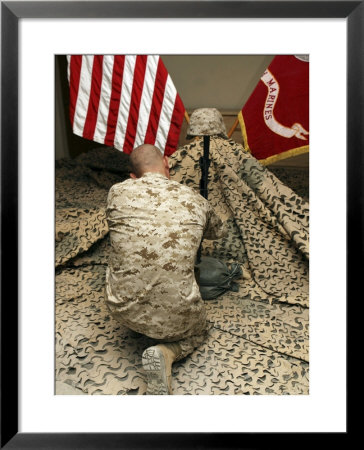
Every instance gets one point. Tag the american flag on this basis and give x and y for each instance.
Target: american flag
(124, 101)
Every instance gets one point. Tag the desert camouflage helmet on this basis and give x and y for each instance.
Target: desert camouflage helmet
(206, 122)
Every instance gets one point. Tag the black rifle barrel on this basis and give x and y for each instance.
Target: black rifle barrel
(204, 164)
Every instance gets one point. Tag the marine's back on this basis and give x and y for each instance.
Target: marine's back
(156, 226)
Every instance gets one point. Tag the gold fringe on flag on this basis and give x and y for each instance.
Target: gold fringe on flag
(273, 158)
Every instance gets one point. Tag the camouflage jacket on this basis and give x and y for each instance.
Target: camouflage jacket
(156, 226)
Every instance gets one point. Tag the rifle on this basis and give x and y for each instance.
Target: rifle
(204, 164)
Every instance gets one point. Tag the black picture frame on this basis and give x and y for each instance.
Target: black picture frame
(11, 13)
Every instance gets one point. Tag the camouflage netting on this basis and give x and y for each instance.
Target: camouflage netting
(259, 340)
(268, 222)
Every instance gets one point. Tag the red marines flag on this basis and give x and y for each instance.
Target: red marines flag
(275, 119)
(124, 101)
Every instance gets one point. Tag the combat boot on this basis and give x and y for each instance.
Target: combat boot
(157, 363)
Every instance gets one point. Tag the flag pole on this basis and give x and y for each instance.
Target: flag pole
(232, 129)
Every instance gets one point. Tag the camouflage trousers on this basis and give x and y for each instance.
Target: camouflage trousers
(188, 341)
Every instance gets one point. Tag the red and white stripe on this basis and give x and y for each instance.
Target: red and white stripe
(124, 101)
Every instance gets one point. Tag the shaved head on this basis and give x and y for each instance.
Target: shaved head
(148, 158)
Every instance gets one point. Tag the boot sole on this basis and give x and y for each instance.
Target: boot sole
(155, 368)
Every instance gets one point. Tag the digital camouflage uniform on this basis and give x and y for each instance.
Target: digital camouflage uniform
(156, 226)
